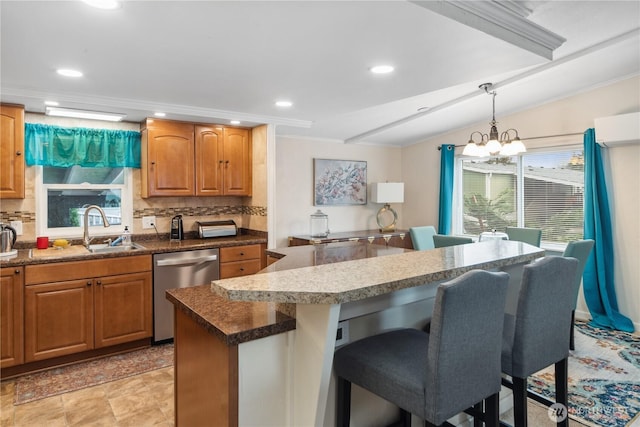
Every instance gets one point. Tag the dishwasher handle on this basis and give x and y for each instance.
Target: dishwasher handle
(185, 261)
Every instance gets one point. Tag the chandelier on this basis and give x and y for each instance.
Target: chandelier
(492, 144)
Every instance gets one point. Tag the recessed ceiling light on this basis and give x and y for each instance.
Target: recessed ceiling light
(67, 72)
(381, 69)
(159, 114)
(83, 114)
(235, 122)
(51, 103)
(103, 4)
(284, 104)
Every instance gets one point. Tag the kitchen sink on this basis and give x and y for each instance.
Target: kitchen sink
(104, 248)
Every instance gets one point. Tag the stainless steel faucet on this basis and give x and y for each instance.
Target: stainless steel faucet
(87, 239)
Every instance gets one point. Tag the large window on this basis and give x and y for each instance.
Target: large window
(540, 190)
(65, 193)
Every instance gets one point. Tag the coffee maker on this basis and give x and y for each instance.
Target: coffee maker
(176, 232)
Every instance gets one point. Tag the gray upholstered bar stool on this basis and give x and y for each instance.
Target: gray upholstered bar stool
(439, 374)
(537, 336)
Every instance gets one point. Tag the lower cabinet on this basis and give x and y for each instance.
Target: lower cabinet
(85, 305)
(240, 260)
(11, 316)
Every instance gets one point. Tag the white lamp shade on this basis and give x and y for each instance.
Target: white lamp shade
(387, 192)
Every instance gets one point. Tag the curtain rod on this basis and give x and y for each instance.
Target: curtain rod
(532, 137)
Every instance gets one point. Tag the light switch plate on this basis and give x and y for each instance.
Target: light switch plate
(148, 221)
(17, 225)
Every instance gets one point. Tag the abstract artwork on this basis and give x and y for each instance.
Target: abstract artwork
(339, 182)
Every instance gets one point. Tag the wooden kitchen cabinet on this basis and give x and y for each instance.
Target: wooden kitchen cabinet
(223, 161)
(71, 307)
(11, 316)
(240, 260)
(167, 158)
(11, 151)
(187, 159)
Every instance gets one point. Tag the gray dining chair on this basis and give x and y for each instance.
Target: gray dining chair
(422, 237)
(532, 236)
(435, 375)
(442, 240)
(580, 250)
(536, 336)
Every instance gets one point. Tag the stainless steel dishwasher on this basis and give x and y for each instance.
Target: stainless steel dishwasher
(179, 270)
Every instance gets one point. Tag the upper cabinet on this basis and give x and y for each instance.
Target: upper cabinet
(184, 159)
(11, 152)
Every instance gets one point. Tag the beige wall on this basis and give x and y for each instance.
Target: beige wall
(248, 212)
(294, 185)
(421, 165)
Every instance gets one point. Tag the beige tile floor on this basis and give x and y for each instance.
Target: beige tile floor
(141, 400)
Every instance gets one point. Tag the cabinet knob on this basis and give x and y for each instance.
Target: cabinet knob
(241, 268)
(221, 162)
(99, 282)
(17, 271)
(153, 163)
(241, 253)
(226, 161)
(18, 153)
(89, 283)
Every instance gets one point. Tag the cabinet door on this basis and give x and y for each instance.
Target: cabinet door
(123, 308)
(58, 319)
(168, 159)
(237, 162)
(11, 316)
(11, 152)
(209, 161)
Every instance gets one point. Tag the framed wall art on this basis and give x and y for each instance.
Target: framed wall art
(339, 182)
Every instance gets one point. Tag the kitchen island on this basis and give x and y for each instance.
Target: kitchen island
(324, 294)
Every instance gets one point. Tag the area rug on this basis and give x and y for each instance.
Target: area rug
(604, 378)
(87, 374)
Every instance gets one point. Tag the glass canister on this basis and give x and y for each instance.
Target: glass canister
(319, 224)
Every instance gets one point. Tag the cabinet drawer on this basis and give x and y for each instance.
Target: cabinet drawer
(239, 253)
(239, 268)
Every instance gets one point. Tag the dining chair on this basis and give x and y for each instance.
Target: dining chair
(580, 250)
(536, 336)
(435, 375)
(422, 237)
(442, 240)
(531, 236)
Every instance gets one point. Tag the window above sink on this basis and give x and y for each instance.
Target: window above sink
(62, 194)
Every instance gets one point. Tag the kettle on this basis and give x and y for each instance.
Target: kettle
(176, 232)
(7, 238)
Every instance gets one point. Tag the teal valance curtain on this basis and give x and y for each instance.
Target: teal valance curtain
(598, 281)
(447, 152)
(57, 146)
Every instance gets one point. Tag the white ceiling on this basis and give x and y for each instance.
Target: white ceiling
(219, 60)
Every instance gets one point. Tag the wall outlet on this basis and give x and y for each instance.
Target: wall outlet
(148, 221)
(17, 225)
(342, 334)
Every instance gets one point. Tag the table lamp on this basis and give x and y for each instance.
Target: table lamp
(387, 192)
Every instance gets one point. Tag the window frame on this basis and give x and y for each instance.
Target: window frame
(126, 206)
(457, 205)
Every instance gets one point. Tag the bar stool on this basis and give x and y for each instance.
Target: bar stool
(536, 336)
(439, 374)
(580, 250)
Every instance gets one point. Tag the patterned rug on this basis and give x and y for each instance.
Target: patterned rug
(87, 374)
(604, 378)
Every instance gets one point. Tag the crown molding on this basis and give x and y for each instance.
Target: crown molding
(504, 20)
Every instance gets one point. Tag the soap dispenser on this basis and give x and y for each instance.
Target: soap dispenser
(126, 236)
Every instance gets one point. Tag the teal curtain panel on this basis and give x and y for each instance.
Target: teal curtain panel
(447, 152)
(598, 279)
(57, 146)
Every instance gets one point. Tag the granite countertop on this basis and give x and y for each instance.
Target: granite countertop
(231, 321)
(347, 281)
(77, 252)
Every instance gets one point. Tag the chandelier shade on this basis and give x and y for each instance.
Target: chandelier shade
(494, 143)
